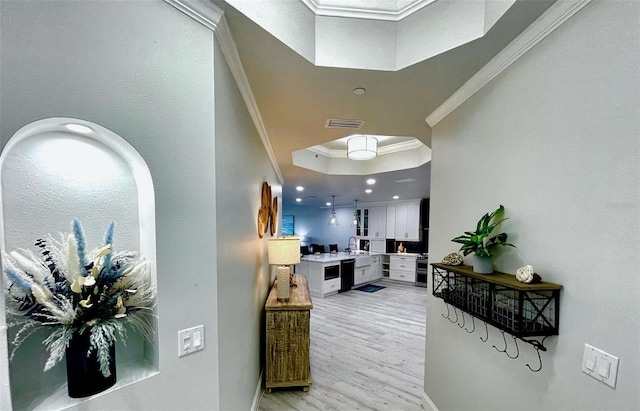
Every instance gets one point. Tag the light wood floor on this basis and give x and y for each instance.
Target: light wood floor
(367, 353)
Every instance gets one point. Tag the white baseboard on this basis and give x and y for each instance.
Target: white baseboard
(427, 404)
(258, 395)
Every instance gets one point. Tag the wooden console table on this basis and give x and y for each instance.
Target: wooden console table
(287, 362)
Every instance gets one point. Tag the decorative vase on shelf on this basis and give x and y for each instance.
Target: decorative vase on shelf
(84, 377)
(482, 265)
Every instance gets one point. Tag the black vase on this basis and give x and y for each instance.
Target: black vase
(84, 377)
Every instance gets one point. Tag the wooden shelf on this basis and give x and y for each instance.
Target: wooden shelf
(497, 277)
(499, 299)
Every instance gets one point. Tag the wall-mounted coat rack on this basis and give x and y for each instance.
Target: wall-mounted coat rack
(522, 310)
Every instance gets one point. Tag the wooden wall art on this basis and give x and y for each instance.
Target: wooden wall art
(273, 216)
(268, 212)
(265, 210)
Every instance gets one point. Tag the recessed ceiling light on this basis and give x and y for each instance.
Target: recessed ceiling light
(299, 188)
(396, 197)
(359, 91)
(371, 181)
(329, 204)
(298, 200)
(368, 191)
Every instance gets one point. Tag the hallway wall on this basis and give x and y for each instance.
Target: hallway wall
(554, 139)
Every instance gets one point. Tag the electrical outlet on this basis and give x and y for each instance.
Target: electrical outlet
(600, 365)
(190, 340)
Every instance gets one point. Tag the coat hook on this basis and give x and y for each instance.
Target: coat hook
(474, 325)
(505, 343)
(539, 359)
(517, 349)
(448, 313)
(486, 333)
(461, 325)
(456, 313)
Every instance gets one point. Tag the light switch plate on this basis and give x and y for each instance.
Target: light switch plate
(190, 340)
(600, 365)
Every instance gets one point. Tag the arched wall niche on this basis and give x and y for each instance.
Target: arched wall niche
(51, 171)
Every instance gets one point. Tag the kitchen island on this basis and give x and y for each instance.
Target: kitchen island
(325, 274)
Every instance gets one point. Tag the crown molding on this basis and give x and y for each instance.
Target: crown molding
(554, 17)
(367, 14)
(230, 52)
(204, 12)
(212, 17)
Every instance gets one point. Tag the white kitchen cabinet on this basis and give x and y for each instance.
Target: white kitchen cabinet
(362, 230)
(362, 275)
(377, 222)
(330, 287)
(405, 276)
(407, 222)
(402, 268)
(391, 221)
(318, 286)
(376, 268)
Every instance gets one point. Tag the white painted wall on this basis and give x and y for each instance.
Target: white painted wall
(145, 71)
(243, 274)
(555, 140)
(310, 223)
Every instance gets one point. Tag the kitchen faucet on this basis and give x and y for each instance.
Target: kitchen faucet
(355, 243)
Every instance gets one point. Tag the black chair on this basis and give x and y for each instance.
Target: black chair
(333, 248)
(317, 248)
(304, 249)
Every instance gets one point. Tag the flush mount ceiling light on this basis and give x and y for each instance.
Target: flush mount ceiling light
(333, 219)
(299, 188)
(371, 181)
(362, 147)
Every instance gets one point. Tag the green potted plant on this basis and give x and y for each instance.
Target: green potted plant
(479, 243)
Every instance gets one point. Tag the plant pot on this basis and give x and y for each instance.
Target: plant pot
(482, 265)
(84, 377)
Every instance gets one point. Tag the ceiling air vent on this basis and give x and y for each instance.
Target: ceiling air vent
(405, 180)
(341, 123)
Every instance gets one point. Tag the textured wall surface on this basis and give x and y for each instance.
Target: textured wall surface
(244, 276)
(554, 139)
(144, 71)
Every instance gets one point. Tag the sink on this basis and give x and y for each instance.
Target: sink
(363, 261)
(358, 252)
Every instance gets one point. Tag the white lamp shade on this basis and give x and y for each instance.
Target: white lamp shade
(362, 147)
(284, 251)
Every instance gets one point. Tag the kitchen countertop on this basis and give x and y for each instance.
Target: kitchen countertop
(328, 257)
(335, 257)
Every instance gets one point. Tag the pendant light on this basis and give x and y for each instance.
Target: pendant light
(333, 219)
(356, 220)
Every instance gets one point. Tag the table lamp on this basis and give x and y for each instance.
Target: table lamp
(282, 253)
